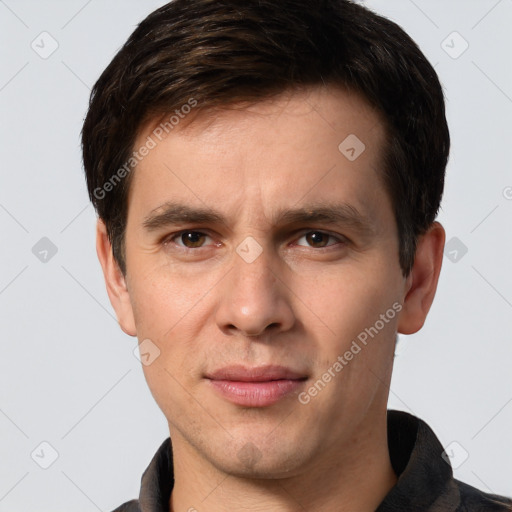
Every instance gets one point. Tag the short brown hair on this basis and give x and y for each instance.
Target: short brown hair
(221, 52)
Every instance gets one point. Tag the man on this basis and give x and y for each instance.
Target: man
(267, 177)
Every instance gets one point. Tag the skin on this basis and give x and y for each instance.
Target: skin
(299, 304)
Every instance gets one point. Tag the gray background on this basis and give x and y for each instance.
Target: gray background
(68, 376)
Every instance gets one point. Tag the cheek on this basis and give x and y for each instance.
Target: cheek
(346, 299)
(163, 300)
(347, 306)
(166, 308)
(170, 310)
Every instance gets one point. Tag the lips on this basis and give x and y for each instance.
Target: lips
(255, 374)
(255, 386)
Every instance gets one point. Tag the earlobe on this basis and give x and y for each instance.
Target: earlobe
(421, 285)
(115, 281)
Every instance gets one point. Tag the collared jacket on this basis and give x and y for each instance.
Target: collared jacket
(425, 477)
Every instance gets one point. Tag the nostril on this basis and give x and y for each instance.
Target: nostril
(269, 327)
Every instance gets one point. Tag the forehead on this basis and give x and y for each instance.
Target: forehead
(301, 112)
(314, 145)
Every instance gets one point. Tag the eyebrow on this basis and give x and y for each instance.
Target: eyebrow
(171, 213)
(175, 213)
(339, 213)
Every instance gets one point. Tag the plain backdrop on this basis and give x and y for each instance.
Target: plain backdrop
(68, 375)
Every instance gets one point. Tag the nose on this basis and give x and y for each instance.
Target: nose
(255, 299)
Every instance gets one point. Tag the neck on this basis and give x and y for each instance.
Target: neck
(355, 476)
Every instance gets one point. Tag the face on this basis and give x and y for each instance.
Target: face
(263, 279)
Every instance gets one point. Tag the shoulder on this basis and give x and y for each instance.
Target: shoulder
(474, 500)
(129, 506)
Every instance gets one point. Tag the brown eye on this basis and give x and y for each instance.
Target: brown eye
(318, 239)
(191, 239)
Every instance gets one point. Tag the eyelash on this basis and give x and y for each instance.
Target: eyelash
(170, 239)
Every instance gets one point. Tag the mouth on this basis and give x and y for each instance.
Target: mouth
(256, 386)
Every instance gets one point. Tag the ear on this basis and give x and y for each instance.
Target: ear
(115, 281)
(421, 284)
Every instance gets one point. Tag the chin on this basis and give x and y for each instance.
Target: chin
(261, 461)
